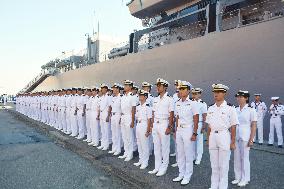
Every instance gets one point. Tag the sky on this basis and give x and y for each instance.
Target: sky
(32, 32)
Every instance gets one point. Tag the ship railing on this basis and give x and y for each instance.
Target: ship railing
(42, 75)
(104, 55)
(251, 14)
(170, 35)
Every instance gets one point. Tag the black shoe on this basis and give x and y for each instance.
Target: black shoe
(280, 146)
(259, 143)
(269, 144)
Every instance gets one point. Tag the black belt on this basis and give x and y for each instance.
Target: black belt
(219, 131)
(126, 114)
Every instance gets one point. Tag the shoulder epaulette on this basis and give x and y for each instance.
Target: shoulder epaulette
(138, 104)
(229, 104)
(148, 105)
(121, 94)
(211, 105)
(202, 101)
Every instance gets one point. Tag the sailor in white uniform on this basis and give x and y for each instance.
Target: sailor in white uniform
(163, 113)
(88, 94)
(261, 109)
(115, 119)
(53, 109)
(68, 111)
(187, 116)
(128, 109)
(73, 113)
(63, 111)
(81, 119)
(222, 120)
(94, 122)
(58, 125)
(176, 97)
(104, 115)
(198, 147)
(48, 108)
(143, 130)
(57, 113)
(135, 94)
(147, 87)
(43, 107)
(276, 110)
(244, 138)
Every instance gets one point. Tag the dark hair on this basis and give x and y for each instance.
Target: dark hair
(247, 101)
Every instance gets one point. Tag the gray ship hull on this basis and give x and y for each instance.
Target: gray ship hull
(250, 57)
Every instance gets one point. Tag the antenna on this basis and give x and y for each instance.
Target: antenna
(94, 22)
(98, 29)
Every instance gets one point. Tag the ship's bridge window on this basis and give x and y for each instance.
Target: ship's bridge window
(166, 18)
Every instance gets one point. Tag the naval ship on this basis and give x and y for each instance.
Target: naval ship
(236, 42)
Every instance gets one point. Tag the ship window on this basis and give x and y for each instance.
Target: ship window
(167, 18)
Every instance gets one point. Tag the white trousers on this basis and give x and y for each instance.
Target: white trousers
(198, 144)
(127, 135)
(68, 121)
(63, 120)
(95, 128)
(116, 132)
(185, 151)
(88, 126)
(135, 147)
(175, 146)
(56, 122)
(105, 130)
(47, 121)
(43, 115)
(142, 142)
(53, 120)
(151, 144)
(241, 161)
(219, 150)
(277, 124)
(81, 124)
(74, 124)
(50, 117)
(161, 144)
(57, 119)
(259, 125)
